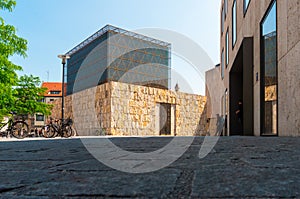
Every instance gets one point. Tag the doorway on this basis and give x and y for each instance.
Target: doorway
(164, 118)
(241, 90)
(269, 79)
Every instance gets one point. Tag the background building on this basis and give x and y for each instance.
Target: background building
(259, 45)
(53, 92)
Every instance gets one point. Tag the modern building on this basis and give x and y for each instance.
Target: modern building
(118, 83)
(260, 61)
(115, 54)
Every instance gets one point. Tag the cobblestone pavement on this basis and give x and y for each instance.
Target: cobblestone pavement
(238, 167)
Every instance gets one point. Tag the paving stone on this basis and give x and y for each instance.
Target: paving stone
(237, 167)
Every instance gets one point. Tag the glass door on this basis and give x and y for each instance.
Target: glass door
(269, 71)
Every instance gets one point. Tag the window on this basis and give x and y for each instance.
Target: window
(269, 72)
(55, 92)
(222, 20)
(246, 4)
(222, 64)
(225, 8)
(51, 100)
(234, 23)
(39, 117)
(226, 102)
(227, 49)
(41, 100)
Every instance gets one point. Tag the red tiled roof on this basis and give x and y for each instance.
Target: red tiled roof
(53, 86)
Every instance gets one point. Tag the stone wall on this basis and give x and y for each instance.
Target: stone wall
(90, 110)
(121, 109)
(190, 114)
(56, 110)
(134, 111)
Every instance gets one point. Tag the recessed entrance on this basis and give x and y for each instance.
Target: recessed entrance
(241, 91)
(165, 118)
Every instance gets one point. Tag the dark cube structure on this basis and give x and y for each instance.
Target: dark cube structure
(114, 54)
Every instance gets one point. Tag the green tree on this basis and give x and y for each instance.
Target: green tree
(28, 96)
(13, 89)
(10, 44)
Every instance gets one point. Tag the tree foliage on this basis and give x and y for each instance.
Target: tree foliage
(14, 91)
(10, 44)
(29, 96)
(7, 5)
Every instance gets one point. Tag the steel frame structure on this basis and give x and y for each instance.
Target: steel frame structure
(119, 31)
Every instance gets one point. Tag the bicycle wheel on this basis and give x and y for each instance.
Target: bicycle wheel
(19, 129)
(48, 131)
(74, 133)
(68, 131)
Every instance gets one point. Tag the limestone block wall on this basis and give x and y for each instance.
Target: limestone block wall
(190, 115)
(90, 110)
(121, 109)
(103, 109)
(134, 111)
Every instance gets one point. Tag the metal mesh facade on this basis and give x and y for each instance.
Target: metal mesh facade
(114, 54)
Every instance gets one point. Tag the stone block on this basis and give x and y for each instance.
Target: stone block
(121, 115)
(151, 91)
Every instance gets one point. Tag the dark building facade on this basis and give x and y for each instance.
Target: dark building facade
(114, 54)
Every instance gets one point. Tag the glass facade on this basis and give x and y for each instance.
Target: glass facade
(269, 71)
(136, 61)
(87, 65)
(246, 4)
(119, 55)
(234, 23)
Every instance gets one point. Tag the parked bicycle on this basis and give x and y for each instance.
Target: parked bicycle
(58, 128)
(18, 129)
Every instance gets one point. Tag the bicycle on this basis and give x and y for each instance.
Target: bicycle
(58, 127)
(18, 129)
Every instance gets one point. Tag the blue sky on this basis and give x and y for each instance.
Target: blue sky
(53, 27)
